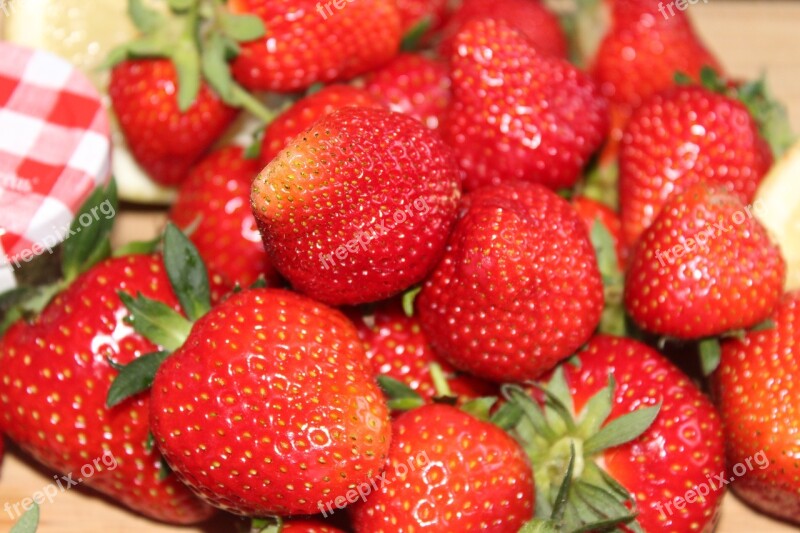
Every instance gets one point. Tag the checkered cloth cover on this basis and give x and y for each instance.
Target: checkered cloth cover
(54, 150)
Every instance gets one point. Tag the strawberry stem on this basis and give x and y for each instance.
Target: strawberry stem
(440, 381)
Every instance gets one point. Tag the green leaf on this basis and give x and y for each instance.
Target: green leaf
(409, 297)
(399, 396)
(182, 5)
(187, 273)
(711, 80)
(506, 416)
(766, 325)
(138, 248)
(215, 67)
(271, 524)
(242, 28)
(540, 525)
(315, 88)
(710, 353)
(613, 511)
(480, 408)
(531, 409)
(28, 522)
(413, 38)
(621, 430)
(88, 240)
(164, 470)
(597, 409)
(681, 78)
(145, 19)
(260, 283)
(559, 411)
(560, 503)
(156, 321)
(254, 150)
(150, 443)
(186, 59)
(135, 377)
(440, 381)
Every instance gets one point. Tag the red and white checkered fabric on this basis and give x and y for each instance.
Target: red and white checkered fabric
(55, 149)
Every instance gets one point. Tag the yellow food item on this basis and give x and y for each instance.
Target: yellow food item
(777, 206)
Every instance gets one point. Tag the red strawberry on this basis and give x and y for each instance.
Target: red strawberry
(518, 114)
(649, 460)
(682, 137)
(54, 379)
(641, 53)
(359, 207)
(270, 406)
(704, 267)
(305, 112)
(518, 288)
(448, 471)
(164, 140)
(413, 84)
(310, 41)
(397, 348)
(415, 12)
(592, 211)
(308, 526)
(216, 197)
(530, 17)
(755, 390)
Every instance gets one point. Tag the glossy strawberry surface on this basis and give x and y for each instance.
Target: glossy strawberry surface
(413, 84)
(517, 113)
(758, 400)
(214, 204)
(682, 450)
(165, 141)
(305, 112)
(518, 288)
(706, 266)
(448, 471)
(54, 378)
(270, 406)
(359, 207)
(681, 137)
(309, 41)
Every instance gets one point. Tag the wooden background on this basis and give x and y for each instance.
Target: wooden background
(750, 37)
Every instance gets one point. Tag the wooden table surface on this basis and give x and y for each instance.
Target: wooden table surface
(750, 38)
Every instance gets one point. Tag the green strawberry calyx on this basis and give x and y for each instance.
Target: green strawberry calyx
(199, 37)
(573, 493)
(160, 323)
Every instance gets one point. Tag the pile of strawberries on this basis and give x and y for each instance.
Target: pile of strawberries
(473, 285)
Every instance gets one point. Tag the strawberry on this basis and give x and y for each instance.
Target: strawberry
(55, 375)
(412, 84)
(704, 267)
(288, 406)
(305, 112)
(311, 41)
(215, 197)
(681, 137)
(640, 54)
(518, 288)
(359, 207)
(448, 471)
(413, 13)
(530, 17)
(164, 139)
(308, 526)
(754, 388)
(591, 211)
(641, 437)
(518, 114)
(397, 348)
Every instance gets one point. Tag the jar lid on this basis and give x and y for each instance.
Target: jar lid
(55, 150)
